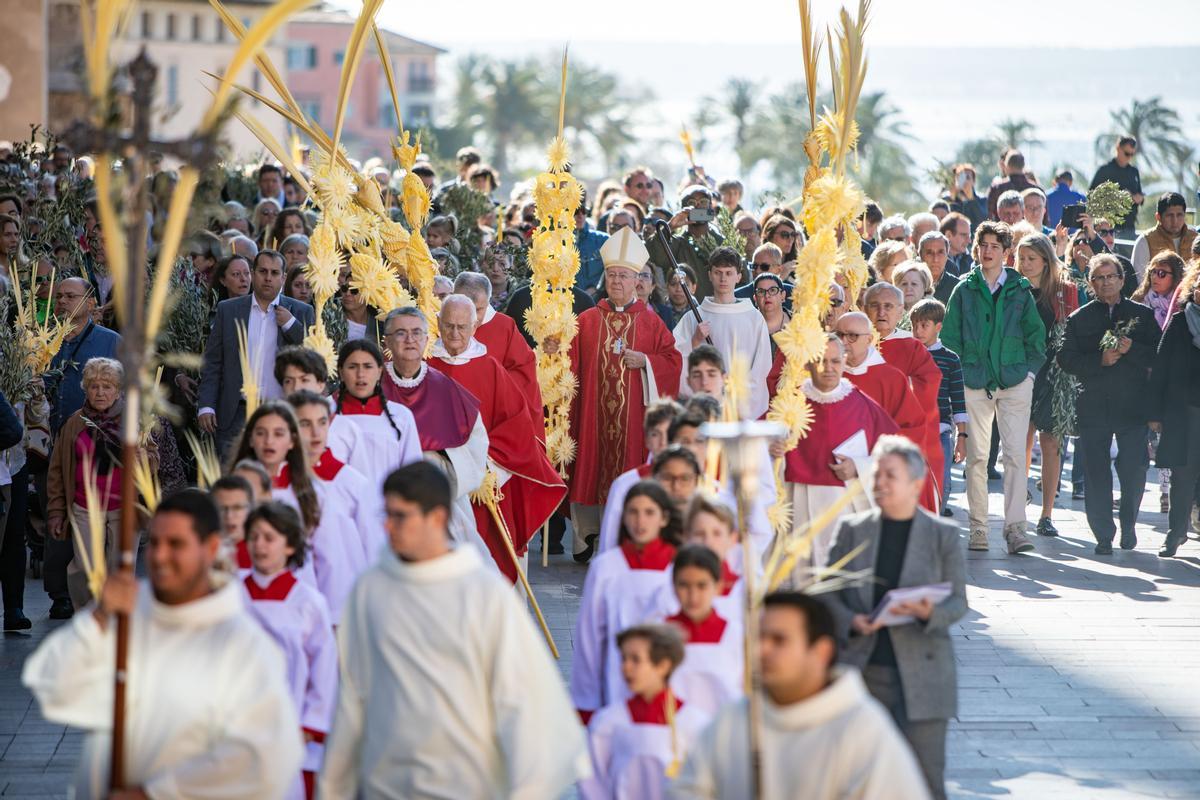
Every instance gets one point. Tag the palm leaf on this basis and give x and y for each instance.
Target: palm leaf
(381, 46)
(353, 54)
(181, 200)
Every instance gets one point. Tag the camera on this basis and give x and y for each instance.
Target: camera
(1071, 214)
(697, 215)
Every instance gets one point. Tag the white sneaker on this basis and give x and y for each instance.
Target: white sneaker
(978, 541)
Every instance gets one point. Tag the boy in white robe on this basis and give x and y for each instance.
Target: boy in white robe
(712, 671)
(297, 618)
(358, 498)
(821, 729)
(734, 326)
(654, 428)
(207, 708)
(447, 689)
(637, 743)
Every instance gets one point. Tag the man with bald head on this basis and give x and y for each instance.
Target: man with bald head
(878, 380)
(74, 302)
(884, 304)
(531, 487)
(836, 451)
(499, 335)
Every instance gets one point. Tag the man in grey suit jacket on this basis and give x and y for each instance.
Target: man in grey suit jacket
(909, 668)
(271, 321)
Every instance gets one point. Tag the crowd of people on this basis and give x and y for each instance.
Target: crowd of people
(990, 333)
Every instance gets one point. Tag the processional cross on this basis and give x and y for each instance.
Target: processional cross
(199, 151)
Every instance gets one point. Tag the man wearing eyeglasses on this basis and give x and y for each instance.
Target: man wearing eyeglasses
(1121, 171)
(1109, 346)
(691, 221)
(767, 259)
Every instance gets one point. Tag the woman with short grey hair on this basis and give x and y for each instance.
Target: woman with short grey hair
(904, 652)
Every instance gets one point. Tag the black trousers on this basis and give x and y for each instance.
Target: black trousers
(1132, 462)
(12, 552)
(1183, 481)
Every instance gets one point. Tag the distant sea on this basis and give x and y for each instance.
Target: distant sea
(945, 95)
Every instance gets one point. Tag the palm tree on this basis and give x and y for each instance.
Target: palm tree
(738, 104)
(775, 134)
(517, 109)
(1157, 128)
(1015, 133)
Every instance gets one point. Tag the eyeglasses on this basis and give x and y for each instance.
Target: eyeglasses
(405, 333)
(846, 336)
(763, 267)
(1102, 278)
(1162, 273)
(785, 234)
(1105, 232)
(676, 480)
(352, 291)
(641, 185)
(770, 291)
(645, 276)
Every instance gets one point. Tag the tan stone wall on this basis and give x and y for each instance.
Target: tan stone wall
(22, 68)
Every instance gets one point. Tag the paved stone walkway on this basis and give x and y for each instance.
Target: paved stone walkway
(1079, 675)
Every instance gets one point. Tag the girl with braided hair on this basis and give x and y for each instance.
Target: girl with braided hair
(272, 436)
(389, 431)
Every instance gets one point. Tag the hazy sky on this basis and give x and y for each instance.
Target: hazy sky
(894, 23)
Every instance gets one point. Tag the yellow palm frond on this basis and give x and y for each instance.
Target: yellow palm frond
(249, 374)
(353, 54)
(800, 543)
(810, 51)
(91, 551)
(386, 60)
(114, 244)
(282, 154)
(208, 466)
(254, 40)
(147, 482)
(265, 66)
(168, 248)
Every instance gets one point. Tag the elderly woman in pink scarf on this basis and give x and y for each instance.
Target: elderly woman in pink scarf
(88, 448)
(1157, 290)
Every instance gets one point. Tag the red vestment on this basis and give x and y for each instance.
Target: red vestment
(833, 423)
(505, 343)
(444, 411)
(908, 355)
(888, 387)
(535, 489)
(608, 409)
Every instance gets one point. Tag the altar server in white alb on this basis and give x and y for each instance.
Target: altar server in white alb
(655, 426)
(734, 326)
(636, 744)
(361, 502)
(823, 736)
(272, 435)
(389, 431)
(207, 708)
(297, 617)
(712, 672)
(302, 369)
(447, 689)
(619, 592)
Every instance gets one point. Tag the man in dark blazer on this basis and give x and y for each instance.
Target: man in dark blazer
(271, 321)
(908, 668)
(1112, 397)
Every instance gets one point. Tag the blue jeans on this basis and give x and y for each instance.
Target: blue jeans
(948, 438)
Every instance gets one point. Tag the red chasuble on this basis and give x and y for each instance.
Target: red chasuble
(506, 344)
(608, 410)
(444, 411)
(908, 355)
(888, 387)
(535, 489)
(833, 423)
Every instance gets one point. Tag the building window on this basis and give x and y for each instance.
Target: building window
(311, 109)
(170, 27)
(419, 78)
(197, 28)
(418, 115)
(387, 113)
(339, 56)
(256, 83)
(220, 29)
(172, 85)
(147, 25)
(301, 56)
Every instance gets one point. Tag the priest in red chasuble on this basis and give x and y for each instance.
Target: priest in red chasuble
(884, 304)
(884, 384)
(531, 487)
(836, 451)
(624, 358)
(498, 333)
